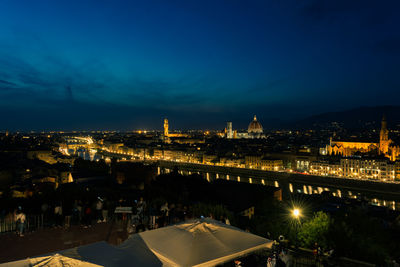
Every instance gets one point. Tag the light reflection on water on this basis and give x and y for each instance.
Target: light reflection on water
(307, 189)
(85, 154)
(293, 188)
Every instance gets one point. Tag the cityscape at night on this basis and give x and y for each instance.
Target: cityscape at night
(199, 133)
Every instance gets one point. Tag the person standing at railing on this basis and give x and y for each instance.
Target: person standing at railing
(45, 210)
(152, 215)
(87, 215)
(106, 207)
(67, 208)
(58, 217)
(141, 206)
(99, 210)
(165, 214)
(77, 212)
(20, 220)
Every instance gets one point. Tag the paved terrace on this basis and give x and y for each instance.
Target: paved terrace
(48, 240)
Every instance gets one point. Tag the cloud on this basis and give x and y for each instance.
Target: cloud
(48, 80)
(69, 94)
(7, 83)
(171, 94)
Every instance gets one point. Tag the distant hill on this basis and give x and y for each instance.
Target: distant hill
(358, 118)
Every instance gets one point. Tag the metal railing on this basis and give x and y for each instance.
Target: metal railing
(32, 223)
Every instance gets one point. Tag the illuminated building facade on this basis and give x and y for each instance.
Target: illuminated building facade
(368, 168)
(397, 169)
(384, 147)
(254, 130)
(263, 163)
(271, 164)
(168, 135)
(323, 168)
(377, 169)
(178, 155)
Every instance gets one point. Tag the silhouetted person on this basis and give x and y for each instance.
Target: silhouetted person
(20, 220)
(88, 216)
(58, 213)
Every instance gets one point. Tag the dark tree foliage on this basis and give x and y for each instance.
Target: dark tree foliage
(87, 168)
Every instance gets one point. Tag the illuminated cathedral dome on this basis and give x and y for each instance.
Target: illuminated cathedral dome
(255, 127)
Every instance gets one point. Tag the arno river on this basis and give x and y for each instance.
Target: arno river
(376, 193)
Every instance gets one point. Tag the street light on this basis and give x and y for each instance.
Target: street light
(296, 213)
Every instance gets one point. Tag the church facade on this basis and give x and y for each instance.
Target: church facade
(385, 146)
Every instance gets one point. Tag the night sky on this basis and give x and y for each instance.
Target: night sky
(126, 65)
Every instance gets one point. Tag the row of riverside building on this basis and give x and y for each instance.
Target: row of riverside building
(379, 168)
(357, 167)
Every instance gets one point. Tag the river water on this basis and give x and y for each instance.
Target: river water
(293, 188)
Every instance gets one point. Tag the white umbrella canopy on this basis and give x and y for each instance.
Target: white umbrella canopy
(96, 254)
(202, 242)
(55, 260)
(58, 260)
(103, 254)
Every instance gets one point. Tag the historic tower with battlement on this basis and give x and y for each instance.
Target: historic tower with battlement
(166, 128)
(384, 141)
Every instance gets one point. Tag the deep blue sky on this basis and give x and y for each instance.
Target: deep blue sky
(101, 64)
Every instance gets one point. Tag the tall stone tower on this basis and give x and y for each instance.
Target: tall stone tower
(166, 128)
(384, 141)
(229, 131)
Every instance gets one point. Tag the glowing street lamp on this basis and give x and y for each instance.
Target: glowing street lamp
(296, 213)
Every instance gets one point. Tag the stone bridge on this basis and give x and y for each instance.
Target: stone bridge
(291, 182)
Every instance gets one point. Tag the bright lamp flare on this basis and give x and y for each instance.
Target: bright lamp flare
(296, 213)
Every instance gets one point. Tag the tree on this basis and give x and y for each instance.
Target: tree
(91, 168)
(315, 230)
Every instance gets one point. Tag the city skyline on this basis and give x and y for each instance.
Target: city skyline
(199, 133)
(359, 118)
(124, 66)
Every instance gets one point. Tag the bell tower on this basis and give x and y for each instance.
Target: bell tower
(166, 128)
(384, 137)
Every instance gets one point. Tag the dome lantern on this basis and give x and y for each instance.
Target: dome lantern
(255, 127)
